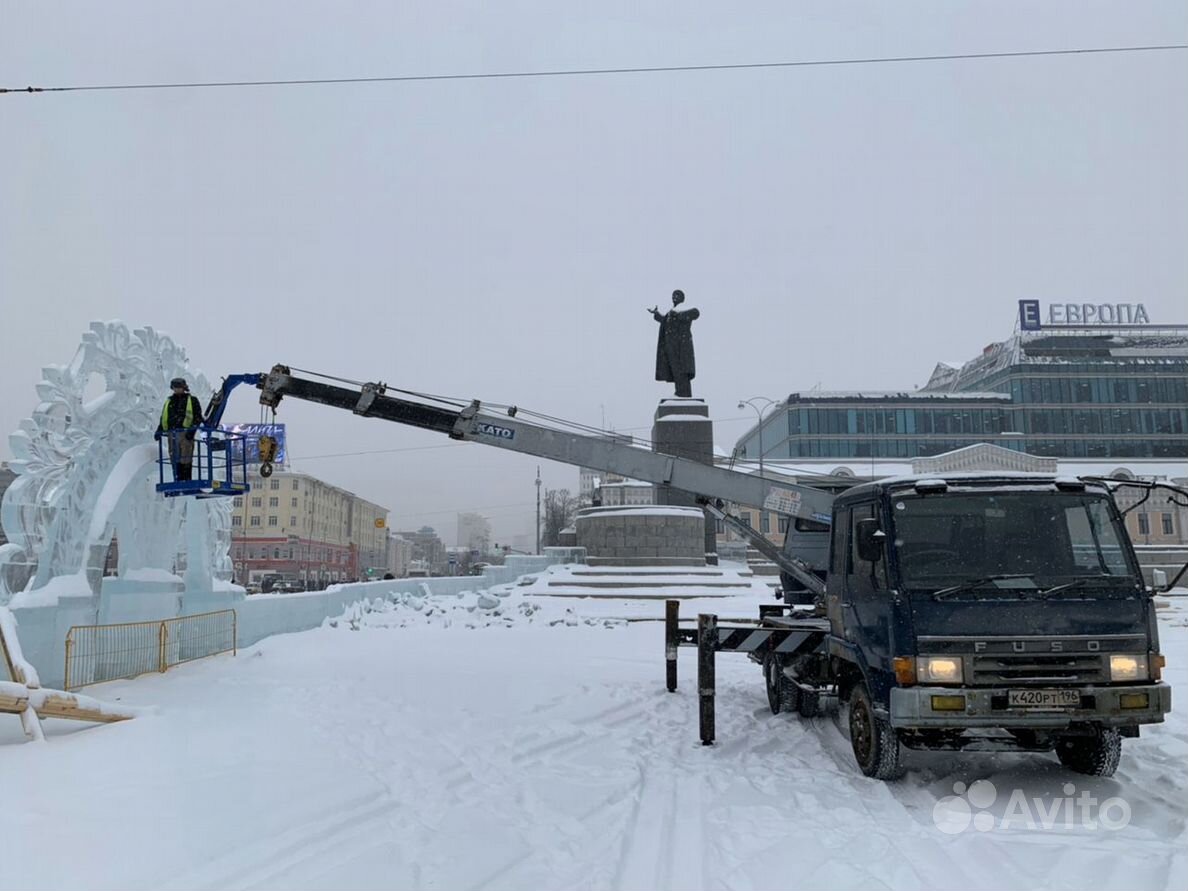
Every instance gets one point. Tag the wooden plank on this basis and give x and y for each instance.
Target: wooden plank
(58, 704)
(14, 700)
(13, 704)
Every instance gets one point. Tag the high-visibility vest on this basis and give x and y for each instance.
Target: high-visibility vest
(187, 421)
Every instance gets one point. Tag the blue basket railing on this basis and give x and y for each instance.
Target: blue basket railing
(218, 463)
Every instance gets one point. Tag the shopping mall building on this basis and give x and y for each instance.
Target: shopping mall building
(1078, 388)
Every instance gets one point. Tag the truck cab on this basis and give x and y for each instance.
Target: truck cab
(984, 611)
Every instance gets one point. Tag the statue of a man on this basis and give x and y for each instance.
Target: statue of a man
(674, 350)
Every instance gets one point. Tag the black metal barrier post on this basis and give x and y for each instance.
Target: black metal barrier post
(707, 644)
(672, 618)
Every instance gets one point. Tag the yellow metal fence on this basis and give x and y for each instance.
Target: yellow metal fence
(98, 653)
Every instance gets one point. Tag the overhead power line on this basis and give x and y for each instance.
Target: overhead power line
(596, 72)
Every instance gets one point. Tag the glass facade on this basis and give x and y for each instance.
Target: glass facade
(903, 425)
(1096, 395)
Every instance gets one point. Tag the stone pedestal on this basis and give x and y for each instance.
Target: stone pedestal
(682, 427)
(641, 535)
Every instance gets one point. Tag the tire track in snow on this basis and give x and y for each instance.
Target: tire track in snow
(800, 791)
(663, 841)
(364, 824)
(580, 737)
(248, 866)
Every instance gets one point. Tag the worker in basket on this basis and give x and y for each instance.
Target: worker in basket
(180, 417)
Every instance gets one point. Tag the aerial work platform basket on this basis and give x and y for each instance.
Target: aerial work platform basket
(219, 463)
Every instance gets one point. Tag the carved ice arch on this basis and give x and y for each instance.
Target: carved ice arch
(86, 469)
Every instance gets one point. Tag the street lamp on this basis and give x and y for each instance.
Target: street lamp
(767, 405)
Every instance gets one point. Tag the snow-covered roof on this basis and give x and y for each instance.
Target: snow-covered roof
(1101, 346)
(640, 510)
(878, 469)
(893, 395)
(964, 475)
(1138, 466)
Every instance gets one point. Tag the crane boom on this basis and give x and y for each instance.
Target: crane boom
(473, 423)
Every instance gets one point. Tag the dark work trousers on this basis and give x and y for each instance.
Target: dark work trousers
(181, 455)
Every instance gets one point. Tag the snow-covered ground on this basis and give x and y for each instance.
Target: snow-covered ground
(516, 740)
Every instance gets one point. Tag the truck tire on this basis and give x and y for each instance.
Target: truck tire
(781, 693)
(875, 743)
(1096, 755)
(809, 704)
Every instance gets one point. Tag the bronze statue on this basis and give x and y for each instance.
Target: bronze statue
(674, 349)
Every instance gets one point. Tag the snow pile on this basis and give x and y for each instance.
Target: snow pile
(469, 609)
(578, 594)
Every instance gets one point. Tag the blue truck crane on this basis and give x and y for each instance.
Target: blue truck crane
(982, 611)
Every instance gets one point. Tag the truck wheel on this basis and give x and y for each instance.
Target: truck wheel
(781, 694)
(875, 743)
(1095, 755)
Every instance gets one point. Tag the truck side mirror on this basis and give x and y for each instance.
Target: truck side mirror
(869, 538)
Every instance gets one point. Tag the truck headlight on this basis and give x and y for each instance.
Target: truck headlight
(939, 669)
(1128, 667)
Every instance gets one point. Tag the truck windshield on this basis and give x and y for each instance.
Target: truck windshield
(1052, 538)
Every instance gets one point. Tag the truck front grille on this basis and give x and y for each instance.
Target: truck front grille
(1038, 669)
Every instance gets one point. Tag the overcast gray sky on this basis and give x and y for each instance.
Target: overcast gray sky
(501, 239)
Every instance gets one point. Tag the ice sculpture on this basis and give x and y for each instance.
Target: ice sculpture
(86, 465)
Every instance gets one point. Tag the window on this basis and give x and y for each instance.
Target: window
(782, 525)
(1144, 524)
(292, 521)
(237, 520)
(745, 516)
(274, 484)
(255, 521)
(257, 501)
(1094, 540)
(292, 502)
(276, 553)
(274, 502)
(861, 512)
(272, 521)
(295, 486)
(1167, 524)
(765, 523)
(237, 501)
